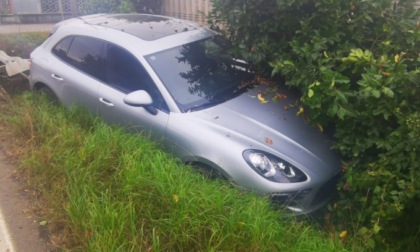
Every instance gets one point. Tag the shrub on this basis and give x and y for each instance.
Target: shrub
(107, 6)
(356, 64)
(118, 6)
(21, 44)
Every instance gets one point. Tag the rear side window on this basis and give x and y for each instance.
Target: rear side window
(86, 54)
(61, 49)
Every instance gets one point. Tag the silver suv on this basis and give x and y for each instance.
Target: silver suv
(177, 82)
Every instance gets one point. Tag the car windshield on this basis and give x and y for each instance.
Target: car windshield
(201, 74)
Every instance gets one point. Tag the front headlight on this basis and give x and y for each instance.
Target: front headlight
(272, 167)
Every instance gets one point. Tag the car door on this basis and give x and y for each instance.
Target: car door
(125, 74)
(77, 70)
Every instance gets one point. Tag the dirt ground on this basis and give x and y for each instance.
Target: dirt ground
(17, 202)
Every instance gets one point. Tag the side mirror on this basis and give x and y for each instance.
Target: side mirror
(141, 98)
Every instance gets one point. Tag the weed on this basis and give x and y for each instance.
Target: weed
(21, 44)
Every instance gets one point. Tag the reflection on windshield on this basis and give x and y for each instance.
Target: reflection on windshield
(200, 74)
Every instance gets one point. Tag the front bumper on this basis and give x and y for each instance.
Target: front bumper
(308, 200)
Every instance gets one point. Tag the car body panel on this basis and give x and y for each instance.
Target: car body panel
(136, 119)
(226, 124)
(60, 78)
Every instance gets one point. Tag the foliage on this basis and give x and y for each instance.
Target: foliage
(122, 6)
(357, 66)
(21, 44)
(114, 191)
(107, 6)
(147, 6)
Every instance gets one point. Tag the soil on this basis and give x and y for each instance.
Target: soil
(17, 202)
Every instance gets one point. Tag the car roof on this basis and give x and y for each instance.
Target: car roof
(144, 26)
(144, 33)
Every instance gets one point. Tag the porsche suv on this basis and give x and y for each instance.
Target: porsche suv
(177, 82)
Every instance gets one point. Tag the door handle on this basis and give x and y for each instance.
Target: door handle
(106, 102)
(57, 77)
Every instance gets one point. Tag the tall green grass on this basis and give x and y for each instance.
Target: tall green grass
(21, 44)
(115, 191)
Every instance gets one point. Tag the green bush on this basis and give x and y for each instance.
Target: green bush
(107, 6)
(119, 6)
(21, 44)
(356, 64)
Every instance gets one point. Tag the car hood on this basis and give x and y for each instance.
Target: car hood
(275, 126)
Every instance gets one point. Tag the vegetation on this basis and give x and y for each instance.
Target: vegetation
(117, 6)
(21, 44)
(106, 190)
(356, 64)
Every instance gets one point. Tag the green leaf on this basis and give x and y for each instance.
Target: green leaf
(376, 228)
(333, 82)
(288, 62)
(375, 93)
(341, 112)
(388, 92)
(359, 53)
(370, 243)
(349, 59)
(310, 93)
(362, 231)
(393, 192)
(333, 110)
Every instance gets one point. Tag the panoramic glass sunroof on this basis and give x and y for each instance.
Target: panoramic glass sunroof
(145, 27)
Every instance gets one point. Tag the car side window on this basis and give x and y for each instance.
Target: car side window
(61, 49)
(88, 54)
(84, 53)
(126, 74)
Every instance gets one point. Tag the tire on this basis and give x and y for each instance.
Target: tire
(47, 92)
